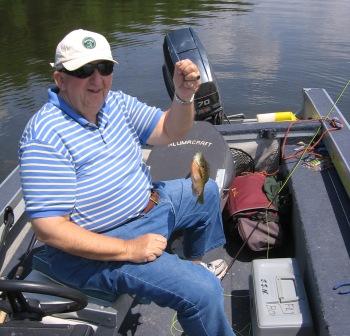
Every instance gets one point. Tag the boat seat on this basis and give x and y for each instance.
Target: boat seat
(174, 160)
(103, 310)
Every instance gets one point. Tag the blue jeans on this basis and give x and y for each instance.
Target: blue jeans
(194, 292)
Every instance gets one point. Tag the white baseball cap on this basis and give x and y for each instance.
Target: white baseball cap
(80, 47)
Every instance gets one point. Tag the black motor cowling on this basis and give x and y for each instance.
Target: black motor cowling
(184, 43)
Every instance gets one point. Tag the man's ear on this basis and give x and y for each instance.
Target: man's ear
(58, 78)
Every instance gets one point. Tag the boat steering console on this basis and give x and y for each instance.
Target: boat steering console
(27, 313)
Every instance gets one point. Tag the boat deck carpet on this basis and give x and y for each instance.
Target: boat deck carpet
(321, 212)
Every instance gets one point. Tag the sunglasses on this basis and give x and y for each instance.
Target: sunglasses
(104, 68)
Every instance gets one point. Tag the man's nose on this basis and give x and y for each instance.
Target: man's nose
(96, 76)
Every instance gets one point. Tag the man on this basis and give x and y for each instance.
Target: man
(91, 199)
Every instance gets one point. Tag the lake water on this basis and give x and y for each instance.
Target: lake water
(263, 52)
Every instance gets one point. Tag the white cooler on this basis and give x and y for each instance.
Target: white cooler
(279, 304)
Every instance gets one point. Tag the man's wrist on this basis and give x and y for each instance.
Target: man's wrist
(124, 252)
(181, 101)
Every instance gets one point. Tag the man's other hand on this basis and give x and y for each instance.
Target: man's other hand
(145, 248)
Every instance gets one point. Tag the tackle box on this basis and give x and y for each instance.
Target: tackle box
(279, 305)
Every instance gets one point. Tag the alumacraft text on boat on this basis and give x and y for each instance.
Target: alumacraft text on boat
(190, 142)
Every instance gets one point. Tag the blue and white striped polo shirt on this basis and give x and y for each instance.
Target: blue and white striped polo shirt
(94, 174)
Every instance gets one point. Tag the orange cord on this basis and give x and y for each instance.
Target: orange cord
(336, 125)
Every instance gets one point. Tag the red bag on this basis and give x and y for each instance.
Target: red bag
(256, 218)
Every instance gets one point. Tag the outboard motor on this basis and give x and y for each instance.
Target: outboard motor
(184, 43)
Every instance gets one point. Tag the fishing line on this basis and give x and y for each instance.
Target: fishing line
(306, 149)
(236, 296)
(174, 320)
(309, 145)
(174, 327)
(290, 174)
(240, 332)
(268, 235)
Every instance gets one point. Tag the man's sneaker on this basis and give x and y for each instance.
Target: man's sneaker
(218, 267)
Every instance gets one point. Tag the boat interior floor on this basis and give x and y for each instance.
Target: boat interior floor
(316, 232)
(146, 318)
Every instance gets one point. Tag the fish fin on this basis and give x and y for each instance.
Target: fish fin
(200, 198)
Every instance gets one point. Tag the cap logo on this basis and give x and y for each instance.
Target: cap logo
(89, 43)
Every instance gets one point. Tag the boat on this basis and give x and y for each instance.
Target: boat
(316, 230)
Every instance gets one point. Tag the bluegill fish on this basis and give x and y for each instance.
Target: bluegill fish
(199, 175)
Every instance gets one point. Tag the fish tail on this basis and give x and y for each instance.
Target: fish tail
(200, 198)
